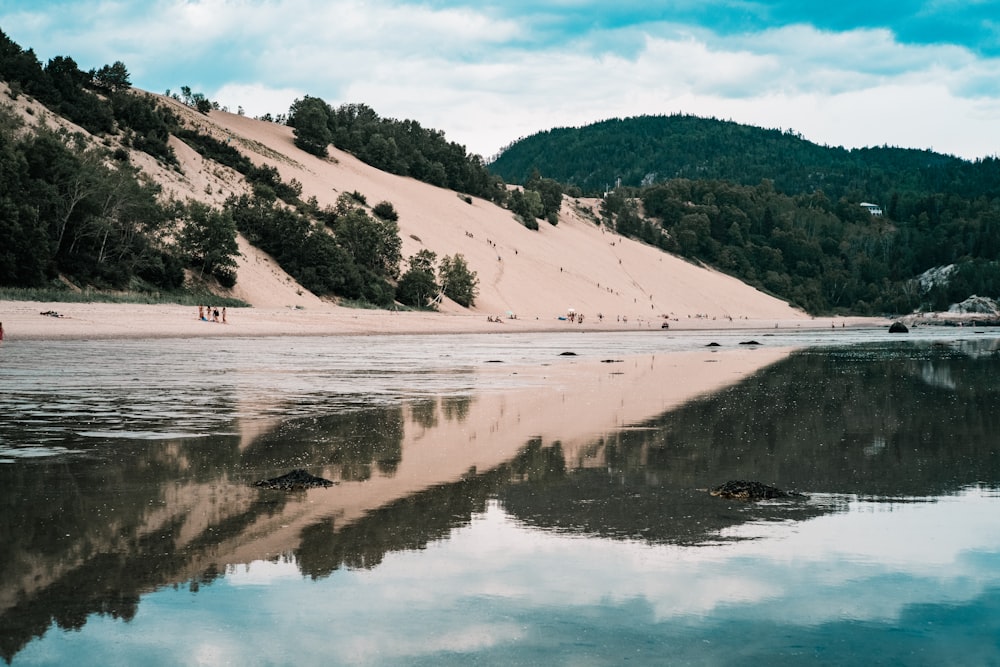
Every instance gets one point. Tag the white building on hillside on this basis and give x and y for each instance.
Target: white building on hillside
(874, 209)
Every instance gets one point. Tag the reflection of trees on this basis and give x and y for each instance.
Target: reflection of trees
(424, 412)
(86, 522)
(87, 525)
(456, 408)
(351, 442)
(407, 524)
(413, 522)
(859, 420)
(627, 500)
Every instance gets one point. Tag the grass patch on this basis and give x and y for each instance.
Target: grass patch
(53, 294)
(361, 304)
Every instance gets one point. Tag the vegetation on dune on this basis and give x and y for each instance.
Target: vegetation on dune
(401, 147)
(72, 210)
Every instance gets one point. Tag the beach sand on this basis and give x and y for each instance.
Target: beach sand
(23, 320)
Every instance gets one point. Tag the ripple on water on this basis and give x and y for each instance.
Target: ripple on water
(140, 435)
(12, 454)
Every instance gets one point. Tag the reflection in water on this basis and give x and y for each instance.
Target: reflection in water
(136, 497)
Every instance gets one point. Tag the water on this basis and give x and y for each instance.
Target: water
(129, 532)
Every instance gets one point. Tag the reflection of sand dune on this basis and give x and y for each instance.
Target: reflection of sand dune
(572, 403)
(187, 526)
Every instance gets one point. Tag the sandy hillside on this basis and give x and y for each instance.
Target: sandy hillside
(538, 275)
(531, 273)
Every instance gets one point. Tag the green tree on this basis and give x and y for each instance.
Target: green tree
(309, 119)
(458, 283)
(527, 205)
(417, 286)
(112, 78)
(208, 240)
(374, 243)
(386, 211)
(550, 194)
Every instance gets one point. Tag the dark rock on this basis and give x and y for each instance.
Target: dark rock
(611, 361)
(713, 344)
(567, 354)
(898, 327)
(293, 481)
(739, 489)
(749, 342)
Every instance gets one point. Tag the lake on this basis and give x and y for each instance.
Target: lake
(489, 509)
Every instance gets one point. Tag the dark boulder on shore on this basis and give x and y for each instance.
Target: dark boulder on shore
(293, 481)
(739, 489)
(898, 327)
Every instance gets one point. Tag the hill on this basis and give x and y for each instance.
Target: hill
(534, 274)
(830, 229)
(648, 149)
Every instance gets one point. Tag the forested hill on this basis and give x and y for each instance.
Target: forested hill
(783, 213)
(648, 149)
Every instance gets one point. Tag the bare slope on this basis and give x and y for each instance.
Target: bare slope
(534, 274)
(531, 273)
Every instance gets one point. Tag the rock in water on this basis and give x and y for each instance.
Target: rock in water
(293, 481)
(898, 327)
(743, 490)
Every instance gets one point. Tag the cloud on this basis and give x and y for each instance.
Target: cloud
(487, 73)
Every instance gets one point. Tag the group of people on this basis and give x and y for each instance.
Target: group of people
(211, 314)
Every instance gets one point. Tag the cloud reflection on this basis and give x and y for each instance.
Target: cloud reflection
(498, 589)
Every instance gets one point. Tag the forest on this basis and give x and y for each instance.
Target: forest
(782, 213)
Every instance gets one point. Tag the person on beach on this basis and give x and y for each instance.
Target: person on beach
(215, 314)
(1, 331)
(201, 312)
(223, 314)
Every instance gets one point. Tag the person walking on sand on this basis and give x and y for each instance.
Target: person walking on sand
(223, 314)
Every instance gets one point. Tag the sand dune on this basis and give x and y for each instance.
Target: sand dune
(536, 275)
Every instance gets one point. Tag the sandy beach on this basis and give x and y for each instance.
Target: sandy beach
(23, 320)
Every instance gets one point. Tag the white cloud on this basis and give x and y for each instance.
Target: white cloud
(256, 99)
(467, 72)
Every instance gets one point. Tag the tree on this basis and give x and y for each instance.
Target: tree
(112, 78)
(208, 239)
(374, 244)
(550, 195)
(309, 119)
(459, 283)
(526, 204)
(386, 211)
(417, 286)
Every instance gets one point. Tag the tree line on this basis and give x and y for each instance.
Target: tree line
(824, 256)
(401, 147)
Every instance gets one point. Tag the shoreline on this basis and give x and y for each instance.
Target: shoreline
(24, 320)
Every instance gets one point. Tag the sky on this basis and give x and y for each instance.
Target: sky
(911, 73)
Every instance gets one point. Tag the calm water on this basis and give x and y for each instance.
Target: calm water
(129, 532)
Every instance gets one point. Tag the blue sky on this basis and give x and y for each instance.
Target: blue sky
(913, 73)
